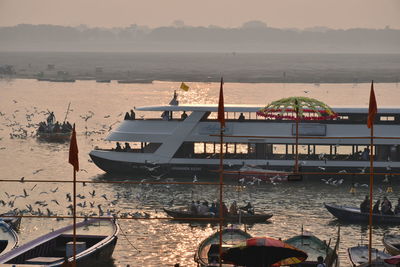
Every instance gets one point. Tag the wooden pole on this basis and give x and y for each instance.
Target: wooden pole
(221, 181)
(371, 185)
(296, 162)
(74, 219)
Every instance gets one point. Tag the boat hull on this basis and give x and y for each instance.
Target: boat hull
(353, 215)
(392, 244)
(181, 215)
(358, 255)
(54, 137)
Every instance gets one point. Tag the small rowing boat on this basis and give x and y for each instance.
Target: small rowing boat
(207, 253)
(8, 238)
(183, 214)
(392, 244)
(95, 242)
(358, 256)
(354, 215)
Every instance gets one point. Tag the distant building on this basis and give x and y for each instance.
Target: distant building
(7, 69)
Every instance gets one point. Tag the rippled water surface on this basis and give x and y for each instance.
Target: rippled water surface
(160, 242)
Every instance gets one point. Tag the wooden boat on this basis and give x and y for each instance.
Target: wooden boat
(54, 137)
(358, 256)
(183, 214)
(8, 238)
(207, 253)
(95, 242)
(392, 244)
(353, 214)
(14, 222)
(315, 247)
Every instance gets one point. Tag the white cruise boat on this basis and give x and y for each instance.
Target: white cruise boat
(191, 146)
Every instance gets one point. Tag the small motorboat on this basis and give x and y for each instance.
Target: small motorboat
(8, 238)
(9, 218)
(358, 256)
(392, 244)
(183, 214)
(354, 215)
(315, 247)
(95, 242)
(207, 253)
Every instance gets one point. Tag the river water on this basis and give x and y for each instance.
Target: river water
(159, 242)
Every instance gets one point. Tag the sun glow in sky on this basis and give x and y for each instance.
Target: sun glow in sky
(338, 14)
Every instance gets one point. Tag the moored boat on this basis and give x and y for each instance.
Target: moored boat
(354, 215)
(358, 256)
(8, 238)
(183, 214)
(315, 247)
(9, 218)
(95, 242)
(207, 253)
(392, 244)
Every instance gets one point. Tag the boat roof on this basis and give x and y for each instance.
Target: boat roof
(255, 108)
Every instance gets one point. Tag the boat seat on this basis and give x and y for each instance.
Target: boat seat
(44, 260)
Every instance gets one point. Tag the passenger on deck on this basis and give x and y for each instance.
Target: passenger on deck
(375, 209)
(213, 209)
(51, 118)
(397, 208)
(165, 116)
(203, 208)
(386, 207)
(127, 117)
(233, 210)
(118, 148)
(193, 207)
(127, 147)
(248, 208)
(241, 117)
(133, 115)
(56, 128)
(42, 126)
(364, 207)
(184, 115)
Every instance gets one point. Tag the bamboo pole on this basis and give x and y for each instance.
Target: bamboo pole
(371, 184)
(74, 219)
(221, 183)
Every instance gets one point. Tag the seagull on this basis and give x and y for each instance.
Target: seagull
(54, 190)
(364, 185)
(195, 179)
(68, 196)
(321, 168)
(33, 187)
(55, 201)
(21, 180)
(93, 193)
(25, 193)
(35, 172)
(104, 196)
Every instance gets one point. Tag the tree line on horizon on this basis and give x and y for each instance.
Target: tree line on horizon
(251, 37)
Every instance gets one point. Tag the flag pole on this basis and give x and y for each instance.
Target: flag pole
(74, 219)
(221, 118)
(372, 110)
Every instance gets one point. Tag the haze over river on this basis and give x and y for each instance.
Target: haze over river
(95, 107)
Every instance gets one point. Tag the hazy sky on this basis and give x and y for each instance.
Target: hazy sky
(226, 13)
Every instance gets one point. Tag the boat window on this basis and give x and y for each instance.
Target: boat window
(387, 118)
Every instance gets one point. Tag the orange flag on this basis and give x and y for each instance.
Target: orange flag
(221, 110)
(73, 151)
(373, 109)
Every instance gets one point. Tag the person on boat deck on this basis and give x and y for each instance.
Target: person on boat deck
(365, 154)
(193, 207)
(213, 209)
(320, 263)
(397, 208)
(50, 118)
(203, 208)
(364, 207)
(375, 209)
(127, 147)
(248, 208)
(241, 117)
(133, 115)
(56, 128)
(386, 207)
(42, 126)
(184, 115)
(127, 117)
(233, 210)
(165, 115)
(118, 148)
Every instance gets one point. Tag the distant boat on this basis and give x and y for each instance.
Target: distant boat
(95, 242)
(358, 256)
(182, 214)
(8, 238)
(136, 81)
(392, 244)
(103, 81)
(315, 247)
(14, 222)
(354, 215)
(207, 253)
(65, 80)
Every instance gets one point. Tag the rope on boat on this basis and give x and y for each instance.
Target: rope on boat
(127, 239)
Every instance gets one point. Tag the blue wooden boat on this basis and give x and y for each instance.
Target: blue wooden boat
(207, 254)
(354, 215)
(358, 256)
(95, 242)
(8, 238)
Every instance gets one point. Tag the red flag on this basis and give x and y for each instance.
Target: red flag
(73, 151)
(221, 110)
(373, 109)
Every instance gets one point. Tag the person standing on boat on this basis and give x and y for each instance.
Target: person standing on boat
(364, 207)
(386, 207)
(51, 118)
(133, 115)
(397, 208)
(375, 209)
(233, 210)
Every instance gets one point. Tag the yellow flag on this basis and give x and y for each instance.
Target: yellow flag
(184, 87)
